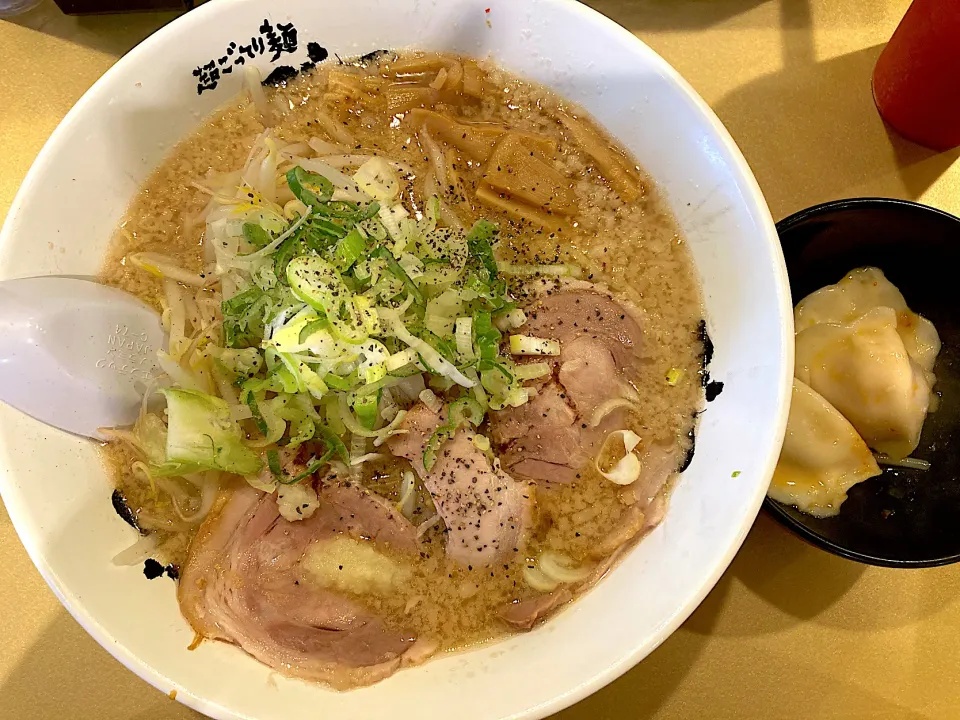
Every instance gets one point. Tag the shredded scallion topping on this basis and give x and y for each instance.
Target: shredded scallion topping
(327, 303)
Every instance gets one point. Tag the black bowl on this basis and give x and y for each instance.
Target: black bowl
(903, 518)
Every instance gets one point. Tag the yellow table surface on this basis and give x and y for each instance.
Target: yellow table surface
(789, 631)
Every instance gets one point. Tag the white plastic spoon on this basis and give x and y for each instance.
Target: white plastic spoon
(75, 354)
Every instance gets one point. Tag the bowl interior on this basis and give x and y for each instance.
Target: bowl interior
(58, 496)
(903, 517)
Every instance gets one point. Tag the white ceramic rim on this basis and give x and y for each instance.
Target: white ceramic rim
(615, 669)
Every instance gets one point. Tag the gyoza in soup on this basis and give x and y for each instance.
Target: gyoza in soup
(434, 360)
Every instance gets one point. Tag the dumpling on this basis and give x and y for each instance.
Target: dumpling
(858, 293)
(864, 374)
(921, 340)
(861, 290)
(864, 370)
(822, 456)
(878, 372)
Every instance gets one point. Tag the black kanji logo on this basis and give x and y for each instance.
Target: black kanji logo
(207, 76)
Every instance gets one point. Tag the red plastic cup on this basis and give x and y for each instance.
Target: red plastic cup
(916, 82)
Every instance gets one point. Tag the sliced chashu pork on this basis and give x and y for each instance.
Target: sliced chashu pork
(551, 438)
(645, 503)
(560, 430)
(541, 439)
(574, 310)
(486, 512)
(244, 583)
(523, 614)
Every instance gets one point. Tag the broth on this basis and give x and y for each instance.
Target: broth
(633, 246)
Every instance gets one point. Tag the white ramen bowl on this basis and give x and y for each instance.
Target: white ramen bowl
(59, 497)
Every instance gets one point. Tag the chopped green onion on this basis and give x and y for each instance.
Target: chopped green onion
(492, 365)
(311, 381)
(202, 435)
(256, 235)
(365, 407)
(312, 327)
(464, 337)
(428, 354)
(531, 371)
(502, 385)
(466, 409)
(340, 382)
(673, 376)
(257, 415)
(481, 442)
(447, 350)
(353, 425)
(479, 393)
(377, 385)
(303, 429)
(373, 227)
(273, 462)
(375, 373)
(431, 211)
(309, 188)
(317, 283)
(284, 254)
(401, 359)
(479, 241)
(486, 336)
(528, 345)
(393, 217)
(396, 269)
(350, 249)
(243, 316)
(311, 469)
(357, 322)
(510, 319)
(436, 441)
(332, 413)
(246, 362)
(333, 442)
(378, 180)
(338, 304)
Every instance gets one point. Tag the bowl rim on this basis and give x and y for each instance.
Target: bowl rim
(778, 510)
(858, 203)
(753, 198)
